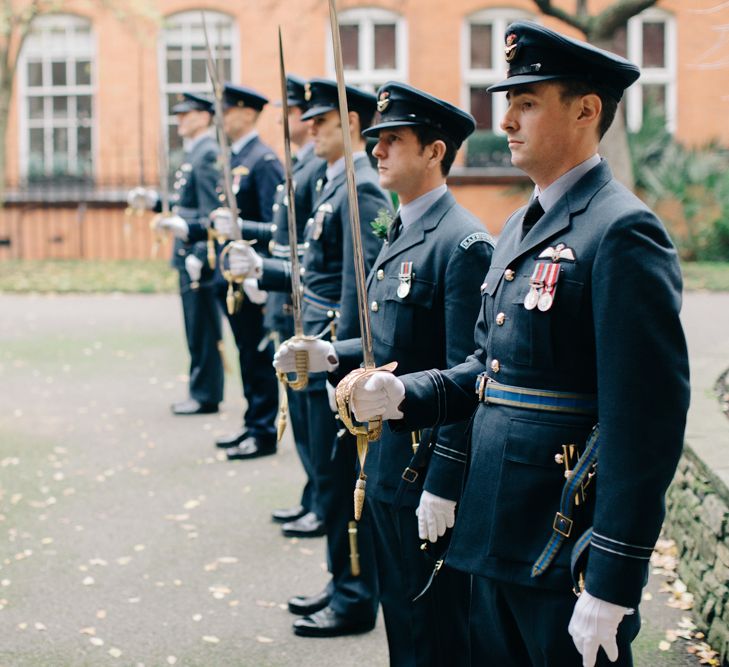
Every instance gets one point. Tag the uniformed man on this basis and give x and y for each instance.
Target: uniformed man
(307, 169)
(424, 300)
(349, 603)
(579, 326)
(194, 198)
(256, 174)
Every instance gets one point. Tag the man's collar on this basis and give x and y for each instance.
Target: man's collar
(238, 145)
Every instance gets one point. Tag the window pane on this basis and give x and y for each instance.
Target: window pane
(350, 45)
(654, 95)
(172, 99)
(35, 74)
(227, 69)
(385, 55)
(36, 140)
(654, 44)
(198, 70)
(481, 46)
(35, 107)
(84, 141)
(174, 70)
(60, 140)
(83, 73)
(60, 107)
(83, 107)
(481, 108)
(58, 73)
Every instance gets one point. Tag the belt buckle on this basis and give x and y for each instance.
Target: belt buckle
(482, 382)
(409, 474)
(562, 524)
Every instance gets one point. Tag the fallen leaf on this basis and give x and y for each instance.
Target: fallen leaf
(664, 646)
(97, 641)
(211, 639)
(88, 631)
(171, 660)
(115, 652)
(264, 640)
(88, 581)
(39, 626)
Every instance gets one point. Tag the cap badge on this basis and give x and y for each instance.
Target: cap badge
(307, 91)
(384, 101)
(510, 47)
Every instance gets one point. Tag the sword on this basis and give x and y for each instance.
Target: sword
(233, 299)
(301, 377)
(371, 431)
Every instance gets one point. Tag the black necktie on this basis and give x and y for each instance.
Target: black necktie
(533, 213)
(395, 229)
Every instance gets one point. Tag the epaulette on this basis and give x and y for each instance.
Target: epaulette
(475, 238)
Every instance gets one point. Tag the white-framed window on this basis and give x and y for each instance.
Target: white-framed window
(483, 63)
(56, 84)
(374, 47)
(650, 41)
(183, 58)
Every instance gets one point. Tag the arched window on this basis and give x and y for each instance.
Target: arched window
(374, 47)
(183, 58)
(649, 40)
(483, 64)
(56, 84)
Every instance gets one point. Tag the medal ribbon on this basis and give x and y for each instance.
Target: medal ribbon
(537, 278)
(406, 270)
(551, 278)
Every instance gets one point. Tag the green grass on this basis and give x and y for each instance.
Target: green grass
(711, 276)
(79, 276)
(149, 276)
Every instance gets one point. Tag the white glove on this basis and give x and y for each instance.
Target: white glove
(175, 224)
(253, 292)
(140, 198)
(332, 396)
(193, 266)
(322, 356)
(222, 221)
(435, 514)
(244, 261)
(378, 396)
(594, 623)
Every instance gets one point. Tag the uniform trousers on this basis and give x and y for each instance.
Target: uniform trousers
(432, 631)
(334, 461)
(203, 331)
(260, 386)
(524, 626)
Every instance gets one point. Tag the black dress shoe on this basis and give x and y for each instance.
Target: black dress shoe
(288, 514)
(309, 525)
(250, 448)
(327, 623)
(232, 439)
(192, 407)
(303, 605)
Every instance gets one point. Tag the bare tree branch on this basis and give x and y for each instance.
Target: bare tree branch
(582, 23)
(613, 17)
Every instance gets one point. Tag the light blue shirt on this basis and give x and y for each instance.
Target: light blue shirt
(417, 208)
(554, 192)
(333, 170)
(246, 139)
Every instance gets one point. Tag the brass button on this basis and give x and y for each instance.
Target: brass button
(330, 314)
(280, 187)
(500, 319)
(495, 366)
(271, 246)
(274, 228)
(380, 274)
(275, 207)
(509, 275)
(374, 307)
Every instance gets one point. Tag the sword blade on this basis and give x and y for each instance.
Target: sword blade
(359, 268)
(291, 208)
(222, 139)
(164, 168)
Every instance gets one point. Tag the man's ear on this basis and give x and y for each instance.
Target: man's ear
(435, 152)
(590, 107)
(354, 123)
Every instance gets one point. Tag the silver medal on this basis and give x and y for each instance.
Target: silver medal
(403, 289)
(545, 301)
(531, 299)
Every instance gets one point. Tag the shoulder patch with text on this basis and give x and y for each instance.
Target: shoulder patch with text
(475, 238)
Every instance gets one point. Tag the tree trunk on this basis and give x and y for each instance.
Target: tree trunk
(614, 145)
